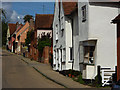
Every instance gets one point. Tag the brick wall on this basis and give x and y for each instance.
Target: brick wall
(46, 54)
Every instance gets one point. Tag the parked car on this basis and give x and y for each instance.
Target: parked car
(116, 86)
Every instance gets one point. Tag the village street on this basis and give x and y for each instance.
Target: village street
(61, 44)
(17, 74)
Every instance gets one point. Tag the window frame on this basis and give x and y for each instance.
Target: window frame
(84, 14)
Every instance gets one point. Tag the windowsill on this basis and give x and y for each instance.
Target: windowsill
(83, 20)
(63, 61)
(87, 63)
(70, 61)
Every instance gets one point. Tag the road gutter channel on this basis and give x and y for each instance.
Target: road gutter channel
(45, 75)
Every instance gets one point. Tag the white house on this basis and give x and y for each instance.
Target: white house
(97, 37)
(84, 38)
(62, 35)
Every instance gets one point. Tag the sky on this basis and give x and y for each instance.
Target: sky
(20, 9)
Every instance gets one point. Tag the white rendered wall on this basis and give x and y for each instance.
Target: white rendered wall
(68, 38)
(39, 32)
(101, 28)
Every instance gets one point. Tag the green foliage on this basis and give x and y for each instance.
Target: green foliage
(80, 80)
(4, 32)
(28, 39)
(4, 26)
(98, 81)
(27, 18)
(42, 42)
(3, 13)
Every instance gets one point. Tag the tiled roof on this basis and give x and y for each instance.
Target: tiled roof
(12, 28)
(69, 7)
(117, 19)
(43, 21)
(19, 27)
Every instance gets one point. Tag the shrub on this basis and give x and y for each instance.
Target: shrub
(80, 80)
(98, 81)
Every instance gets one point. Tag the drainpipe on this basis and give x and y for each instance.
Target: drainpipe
(72, 46)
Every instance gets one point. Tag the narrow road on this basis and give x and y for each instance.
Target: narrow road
(17, 74)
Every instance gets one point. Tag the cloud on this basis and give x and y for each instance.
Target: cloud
(12, 15)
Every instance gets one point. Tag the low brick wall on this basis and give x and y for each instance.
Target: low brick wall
(46, 54)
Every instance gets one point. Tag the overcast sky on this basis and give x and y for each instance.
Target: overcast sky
(15, 9)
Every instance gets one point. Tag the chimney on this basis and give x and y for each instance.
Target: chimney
(31, 24)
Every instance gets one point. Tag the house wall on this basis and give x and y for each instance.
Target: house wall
(68, 40)
(83, 26)
(76, 42)
(96, 27)
(80, 33)
(39, 32)
(55, 46)
(23, 34)
(101, 29)
(8, 35)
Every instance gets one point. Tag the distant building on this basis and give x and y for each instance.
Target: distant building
(10, 38)
(21, 34)
(43, 25)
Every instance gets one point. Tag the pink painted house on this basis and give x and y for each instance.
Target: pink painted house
(21, 34)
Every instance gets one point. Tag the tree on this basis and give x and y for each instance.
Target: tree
(28, 39)
(4, 27)
(3, 13)
(45, 40)
(27, 18)
(4, 32)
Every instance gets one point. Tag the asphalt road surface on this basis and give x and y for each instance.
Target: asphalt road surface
(17, 74)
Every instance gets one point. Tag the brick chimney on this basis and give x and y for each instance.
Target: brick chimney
(31, 24)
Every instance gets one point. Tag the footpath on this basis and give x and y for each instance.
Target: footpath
(46, 70)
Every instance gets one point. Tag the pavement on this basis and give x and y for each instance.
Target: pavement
(46, 70)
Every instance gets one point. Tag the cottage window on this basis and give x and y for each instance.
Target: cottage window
(62, 33)
(83, 9)
(54, 55)
(58, 56)
(63, 55)
(62, 26)
(56, 32)
(71, 54)
(89, 54)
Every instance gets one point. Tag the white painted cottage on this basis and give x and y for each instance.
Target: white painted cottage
(97, 38)
(62, 36)
(84, 38)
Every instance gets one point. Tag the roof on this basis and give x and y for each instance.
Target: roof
(43, 21)
(69, 7)
(19, 27)
(117, 19)
(12, 28)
